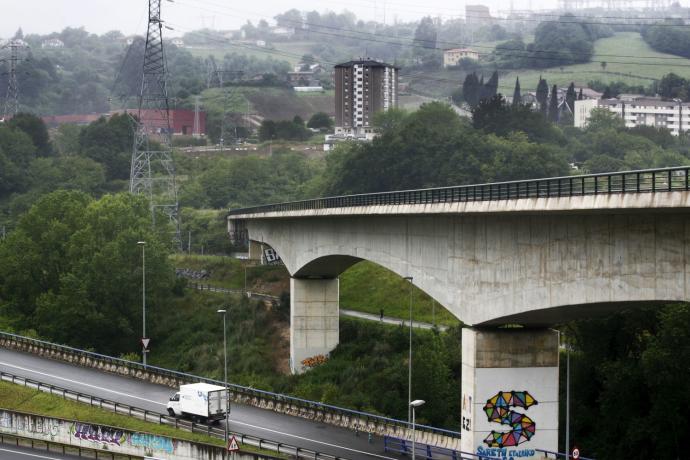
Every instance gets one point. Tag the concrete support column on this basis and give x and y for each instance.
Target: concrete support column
(256, 251)
(509, 392)
(314, 319)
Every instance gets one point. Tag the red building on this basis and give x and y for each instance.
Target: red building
(181, 120)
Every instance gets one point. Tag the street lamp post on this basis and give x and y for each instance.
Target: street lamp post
(225, 366)
(144, 342)
(409, 366)
(413, 405)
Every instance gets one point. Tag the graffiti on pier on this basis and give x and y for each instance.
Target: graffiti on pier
(19, 423)
(152, 442)
(96, 433)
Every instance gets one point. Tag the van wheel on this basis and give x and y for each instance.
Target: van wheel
(171, 412)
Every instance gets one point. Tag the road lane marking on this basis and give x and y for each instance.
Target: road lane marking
(231, 420)
(28, 454)
(82, 383)
(311, 440)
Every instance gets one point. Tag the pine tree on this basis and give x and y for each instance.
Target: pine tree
(517, 97)
(470, 89)
(553, 105)
(542, 95)
(580, 96)
(492, 85)
(570, 97)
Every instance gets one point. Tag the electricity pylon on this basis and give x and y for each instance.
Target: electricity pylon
(11, 106)
(153, 169)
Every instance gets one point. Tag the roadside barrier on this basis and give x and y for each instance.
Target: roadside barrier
(312, 410)
(428, 452)
(58, 448)
(164, 419)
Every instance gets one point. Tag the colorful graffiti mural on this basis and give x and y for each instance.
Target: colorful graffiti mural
(100, 434)
(150, 441)
(497, 410)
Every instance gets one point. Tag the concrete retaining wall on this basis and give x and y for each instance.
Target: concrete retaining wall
(111, 439)
(343, 420)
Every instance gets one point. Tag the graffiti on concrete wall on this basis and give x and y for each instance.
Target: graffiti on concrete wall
(498, 410)
(15, 423)
(152, 442)
(97, 433)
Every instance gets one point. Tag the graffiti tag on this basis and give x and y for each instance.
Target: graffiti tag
(497, 410)
(16, 423)
(96, 433)
(153, 442)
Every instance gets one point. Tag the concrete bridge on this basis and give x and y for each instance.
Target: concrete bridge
(528, 253)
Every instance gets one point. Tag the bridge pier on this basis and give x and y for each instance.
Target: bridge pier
(509, 384)
(314, 319)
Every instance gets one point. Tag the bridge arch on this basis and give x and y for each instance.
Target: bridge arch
(489, 269)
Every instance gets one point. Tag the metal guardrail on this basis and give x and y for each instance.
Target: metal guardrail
(642, 181)
(428, 452)
(237, 389)
(163, 419)
(557, 455)
(53, 447)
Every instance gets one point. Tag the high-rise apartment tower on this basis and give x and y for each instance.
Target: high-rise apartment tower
(363, 88)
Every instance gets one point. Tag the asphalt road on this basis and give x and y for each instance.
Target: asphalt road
(243, 419)
(10, 452)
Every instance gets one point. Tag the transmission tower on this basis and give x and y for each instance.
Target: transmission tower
(11, 106)
(153, 170)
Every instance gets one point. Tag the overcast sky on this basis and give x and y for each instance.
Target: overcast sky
(128, 16)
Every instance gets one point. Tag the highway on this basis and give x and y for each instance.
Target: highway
(249, 420)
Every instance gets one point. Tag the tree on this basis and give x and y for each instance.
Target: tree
(491, 86)
(580, 96)
(542, 95)
(570, 97)
(34, 127)
(71, 270)
(553, 105)
(320, 120)
(470, 89)
(425, 34)
(517, 97)
(603, 65)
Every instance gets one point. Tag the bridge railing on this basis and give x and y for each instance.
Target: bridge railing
(641, 181)
(359, 420)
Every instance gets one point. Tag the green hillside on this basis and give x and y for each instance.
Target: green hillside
(646, 66)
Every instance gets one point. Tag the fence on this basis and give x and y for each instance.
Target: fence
(164, 419)
(643, 181)
(324, 413)
(428, 452)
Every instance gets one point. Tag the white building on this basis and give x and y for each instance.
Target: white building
(639, 111)
(52, 43)
(452, 57)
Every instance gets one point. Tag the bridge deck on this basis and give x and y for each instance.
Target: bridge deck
(666, 188)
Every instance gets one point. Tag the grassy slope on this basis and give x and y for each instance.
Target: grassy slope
(365, 287)
(634, 73)
(624, 43)
(270, 102)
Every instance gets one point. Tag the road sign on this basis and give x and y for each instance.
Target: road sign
(145, 343)
(575, 453)
(233, 446)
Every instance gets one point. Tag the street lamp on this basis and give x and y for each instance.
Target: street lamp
(225, 360)
(413, 405)
(144, 340)
(409, 366)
